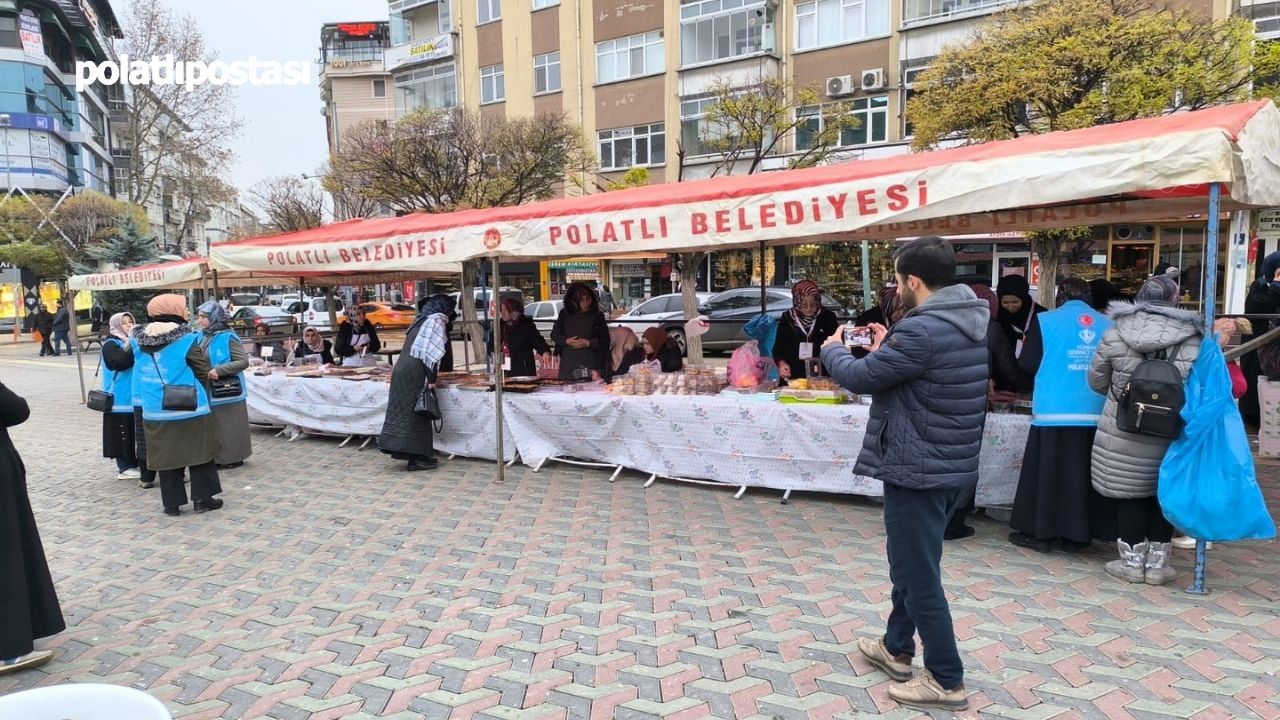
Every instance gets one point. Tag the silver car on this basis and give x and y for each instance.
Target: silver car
(664, 311)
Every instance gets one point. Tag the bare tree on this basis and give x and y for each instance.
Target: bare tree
(349, 198)
(168, 127)
(289, 202)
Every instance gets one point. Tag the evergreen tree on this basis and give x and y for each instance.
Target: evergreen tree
(130, 246)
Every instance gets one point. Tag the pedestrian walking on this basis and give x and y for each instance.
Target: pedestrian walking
(44, 326)
(1055, 500)
(406, 433)
(230, 394)
(928, 376)
(171, 373)
(61, 326)
(118, 440)
(1126, 464)
(28, 603)
(96, 316)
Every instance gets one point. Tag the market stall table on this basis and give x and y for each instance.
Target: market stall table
(737, 442)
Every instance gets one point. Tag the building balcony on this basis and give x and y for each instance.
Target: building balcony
(419, 52)
(920, 12)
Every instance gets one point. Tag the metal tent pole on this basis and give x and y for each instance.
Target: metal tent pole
(497, 379)
(70, 296)
(1210, 295)
(866, 275)
(764, 302)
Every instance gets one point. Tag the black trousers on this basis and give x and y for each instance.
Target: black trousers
(913, 525)
(1141, 519)
(204, 485)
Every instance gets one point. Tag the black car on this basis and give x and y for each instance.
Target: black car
(731, 310)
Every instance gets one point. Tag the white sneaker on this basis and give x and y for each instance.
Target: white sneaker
(130, 474)
(1185, 542)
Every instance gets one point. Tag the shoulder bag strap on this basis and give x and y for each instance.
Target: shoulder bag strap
(157, 365)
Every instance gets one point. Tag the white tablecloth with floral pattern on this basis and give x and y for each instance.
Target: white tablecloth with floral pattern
(730, 440)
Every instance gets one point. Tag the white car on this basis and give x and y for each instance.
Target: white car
(314, 312)
(664, 311)
(544, 314)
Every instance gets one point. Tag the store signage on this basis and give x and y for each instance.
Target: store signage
(90, 14)
(575, 265)
(621, 270)
(358, 29)
(434, 48)
(1269, 224)
(29, 29)
(343, 63)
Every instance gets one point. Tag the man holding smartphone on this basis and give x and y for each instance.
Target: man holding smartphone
(928, 382)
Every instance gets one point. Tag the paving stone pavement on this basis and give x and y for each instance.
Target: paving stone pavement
(335, 585)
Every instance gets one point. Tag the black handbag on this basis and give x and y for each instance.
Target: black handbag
(226, 387)
(100, 401)
(175, 398)
(427, 404)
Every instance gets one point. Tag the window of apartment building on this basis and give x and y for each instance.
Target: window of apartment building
(433, 87)
(696, 135)
(714, 30)
(9, 30)
(871, 113)
(914, 11)
(832, 22)
(637, 146)
(909, 76)
(401, 29)
(546, 73)
(540, 4)
(444, 15)
(493, 84)
(488, 11)
(379, 88)
(629, 57)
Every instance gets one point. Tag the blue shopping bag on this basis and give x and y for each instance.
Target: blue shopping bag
(1207, 486)
(763, 329)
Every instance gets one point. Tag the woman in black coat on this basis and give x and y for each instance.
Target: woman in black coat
(312, 344)
(28, 604)
(581, 334)
(357, 340)
(520, 339)
(406, 434)
(1263, 299)
(802, 330)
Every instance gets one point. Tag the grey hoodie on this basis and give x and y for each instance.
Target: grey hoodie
(928, 382)
(1126, 465)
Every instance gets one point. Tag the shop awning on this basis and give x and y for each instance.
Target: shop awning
(144, 277)
(1141, 170)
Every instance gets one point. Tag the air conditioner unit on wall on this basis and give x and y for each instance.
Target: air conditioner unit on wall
(840, 85)
(872, 80)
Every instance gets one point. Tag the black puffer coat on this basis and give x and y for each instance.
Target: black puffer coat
(928, 382)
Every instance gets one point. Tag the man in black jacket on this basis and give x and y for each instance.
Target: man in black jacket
(61, 326)
(928, 381)
(44, 323)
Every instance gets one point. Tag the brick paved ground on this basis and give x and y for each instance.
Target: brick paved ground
(335, 585)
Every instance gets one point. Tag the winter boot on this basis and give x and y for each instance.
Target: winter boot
(1131, 567)
(1158, 570)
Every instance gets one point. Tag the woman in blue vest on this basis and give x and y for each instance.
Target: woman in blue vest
(229, 395)
(181, 438)
(1056, 501)
(118, 440)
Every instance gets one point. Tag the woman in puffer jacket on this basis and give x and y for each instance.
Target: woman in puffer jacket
(1126, 465)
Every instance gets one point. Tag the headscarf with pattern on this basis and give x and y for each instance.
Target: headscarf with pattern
(804, 290)
(890, 303)
(1074, 288)
(217, 317)
(1159, 290)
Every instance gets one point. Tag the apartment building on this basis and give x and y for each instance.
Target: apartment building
(638, 75)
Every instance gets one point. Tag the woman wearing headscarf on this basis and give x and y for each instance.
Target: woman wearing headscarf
(1055, 501)
(1263, 299)
(28, 602)
(581, 335)
(312, 344)
(802, 330)
(406, 434)
(624, 350)
(521, 339)
(118, 440)
(1006, 374)
(357, 340)
(1016, 309)
(1125, 465)
(230, 392)
(657, 345)
(888, 309)
(167, 354)
(1104, 293)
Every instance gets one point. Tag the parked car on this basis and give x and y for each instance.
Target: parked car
(544, 314)
(246, 319)
(731, 310)
(481, 296)
(314, 312)
(243, 299)
(386, 315)
(664, 311)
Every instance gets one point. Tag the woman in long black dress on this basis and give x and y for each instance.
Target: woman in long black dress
(581, 335)
(29, 607)
(406, 434)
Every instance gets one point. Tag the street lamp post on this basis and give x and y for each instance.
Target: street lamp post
(5, 121)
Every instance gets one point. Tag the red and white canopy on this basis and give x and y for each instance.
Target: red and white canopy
(1140, 170)
(178, 273)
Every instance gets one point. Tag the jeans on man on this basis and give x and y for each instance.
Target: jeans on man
(60, 338)
(913, 523)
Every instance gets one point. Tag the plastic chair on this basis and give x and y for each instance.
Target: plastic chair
(82, 701)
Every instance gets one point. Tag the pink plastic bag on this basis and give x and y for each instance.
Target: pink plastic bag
(747, 367)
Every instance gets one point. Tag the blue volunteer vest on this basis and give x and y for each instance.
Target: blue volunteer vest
(172, 362)
(219, 350)
(1062, 396)
(119, 384)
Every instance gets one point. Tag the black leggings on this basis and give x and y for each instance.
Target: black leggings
(1141, 519)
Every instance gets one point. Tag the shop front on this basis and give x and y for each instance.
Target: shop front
(635, 280)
